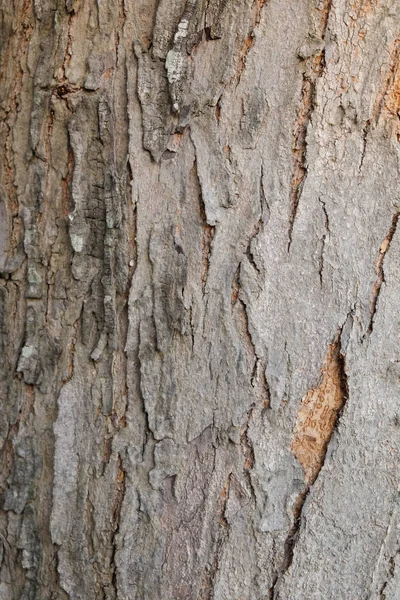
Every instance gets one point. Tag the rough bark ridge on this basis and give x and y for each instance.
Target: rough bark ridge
(199, 292)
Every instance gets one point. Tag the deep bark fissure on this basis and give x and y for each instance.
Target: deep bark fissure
(300, 151)
(68, 48)
(248, 453)
(383, 97)
(148, 433)
(376, 290)
(365, 133)
(149, 447)
(312, 476)
(249, 253)
(392, 566)
(90, 527)
(206, 242)
(250, 39)
(120, 490)
(222, 536)
(314, 69)
(324, 237)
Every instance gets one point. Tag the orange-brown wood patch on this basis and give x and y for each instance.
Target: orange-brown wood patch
(318, 414)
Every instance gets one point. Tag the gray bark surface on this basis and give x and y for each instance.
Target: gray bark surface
(199, 284)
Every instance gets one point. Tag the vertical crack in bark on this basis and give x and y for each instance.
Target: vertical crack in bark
(119, 30)
(235, 286)
(24, 32)
(290, 543)
(8, 558)
(62, 594)
(258, 378)
(366, 129)
(242, 316)
(66, 198)
(263, 220)
(15, 47)
(325, 235)
(192, 326)
(206, 243)
(206, 592)
(148, 433)
(120, 489)
(314, 68)
(376, 290)
(316, 422)
(47, 140)
(248, 453)
(68, 47)
(208, 236)
(391, 571)
(325, 12)
(299, 147)
(71, 353)
(249, 253)
(90, 528)
(388, 97)
(124, 314)
(218, 108)
(263, 386)
(249, 41)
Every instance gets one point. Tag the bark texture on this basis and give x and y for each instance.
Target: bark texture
(199, 323)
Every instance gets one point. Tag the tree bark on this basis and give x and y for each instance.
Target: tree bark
(199, 292)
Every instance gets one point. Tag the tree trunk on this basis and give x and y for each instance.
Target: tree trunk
(199, 324)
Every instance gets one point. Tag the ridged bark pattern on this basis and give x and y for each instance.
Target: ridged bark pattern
(199, 284)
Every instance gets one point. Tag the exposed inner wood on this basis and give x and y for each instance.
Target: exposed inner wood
(318, 414)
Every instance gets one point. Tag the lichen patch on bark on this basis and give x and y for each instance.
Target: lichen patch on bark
(318, 414)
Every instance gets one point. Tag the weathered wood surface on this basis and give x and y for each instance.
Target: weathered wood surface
(199, 298)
